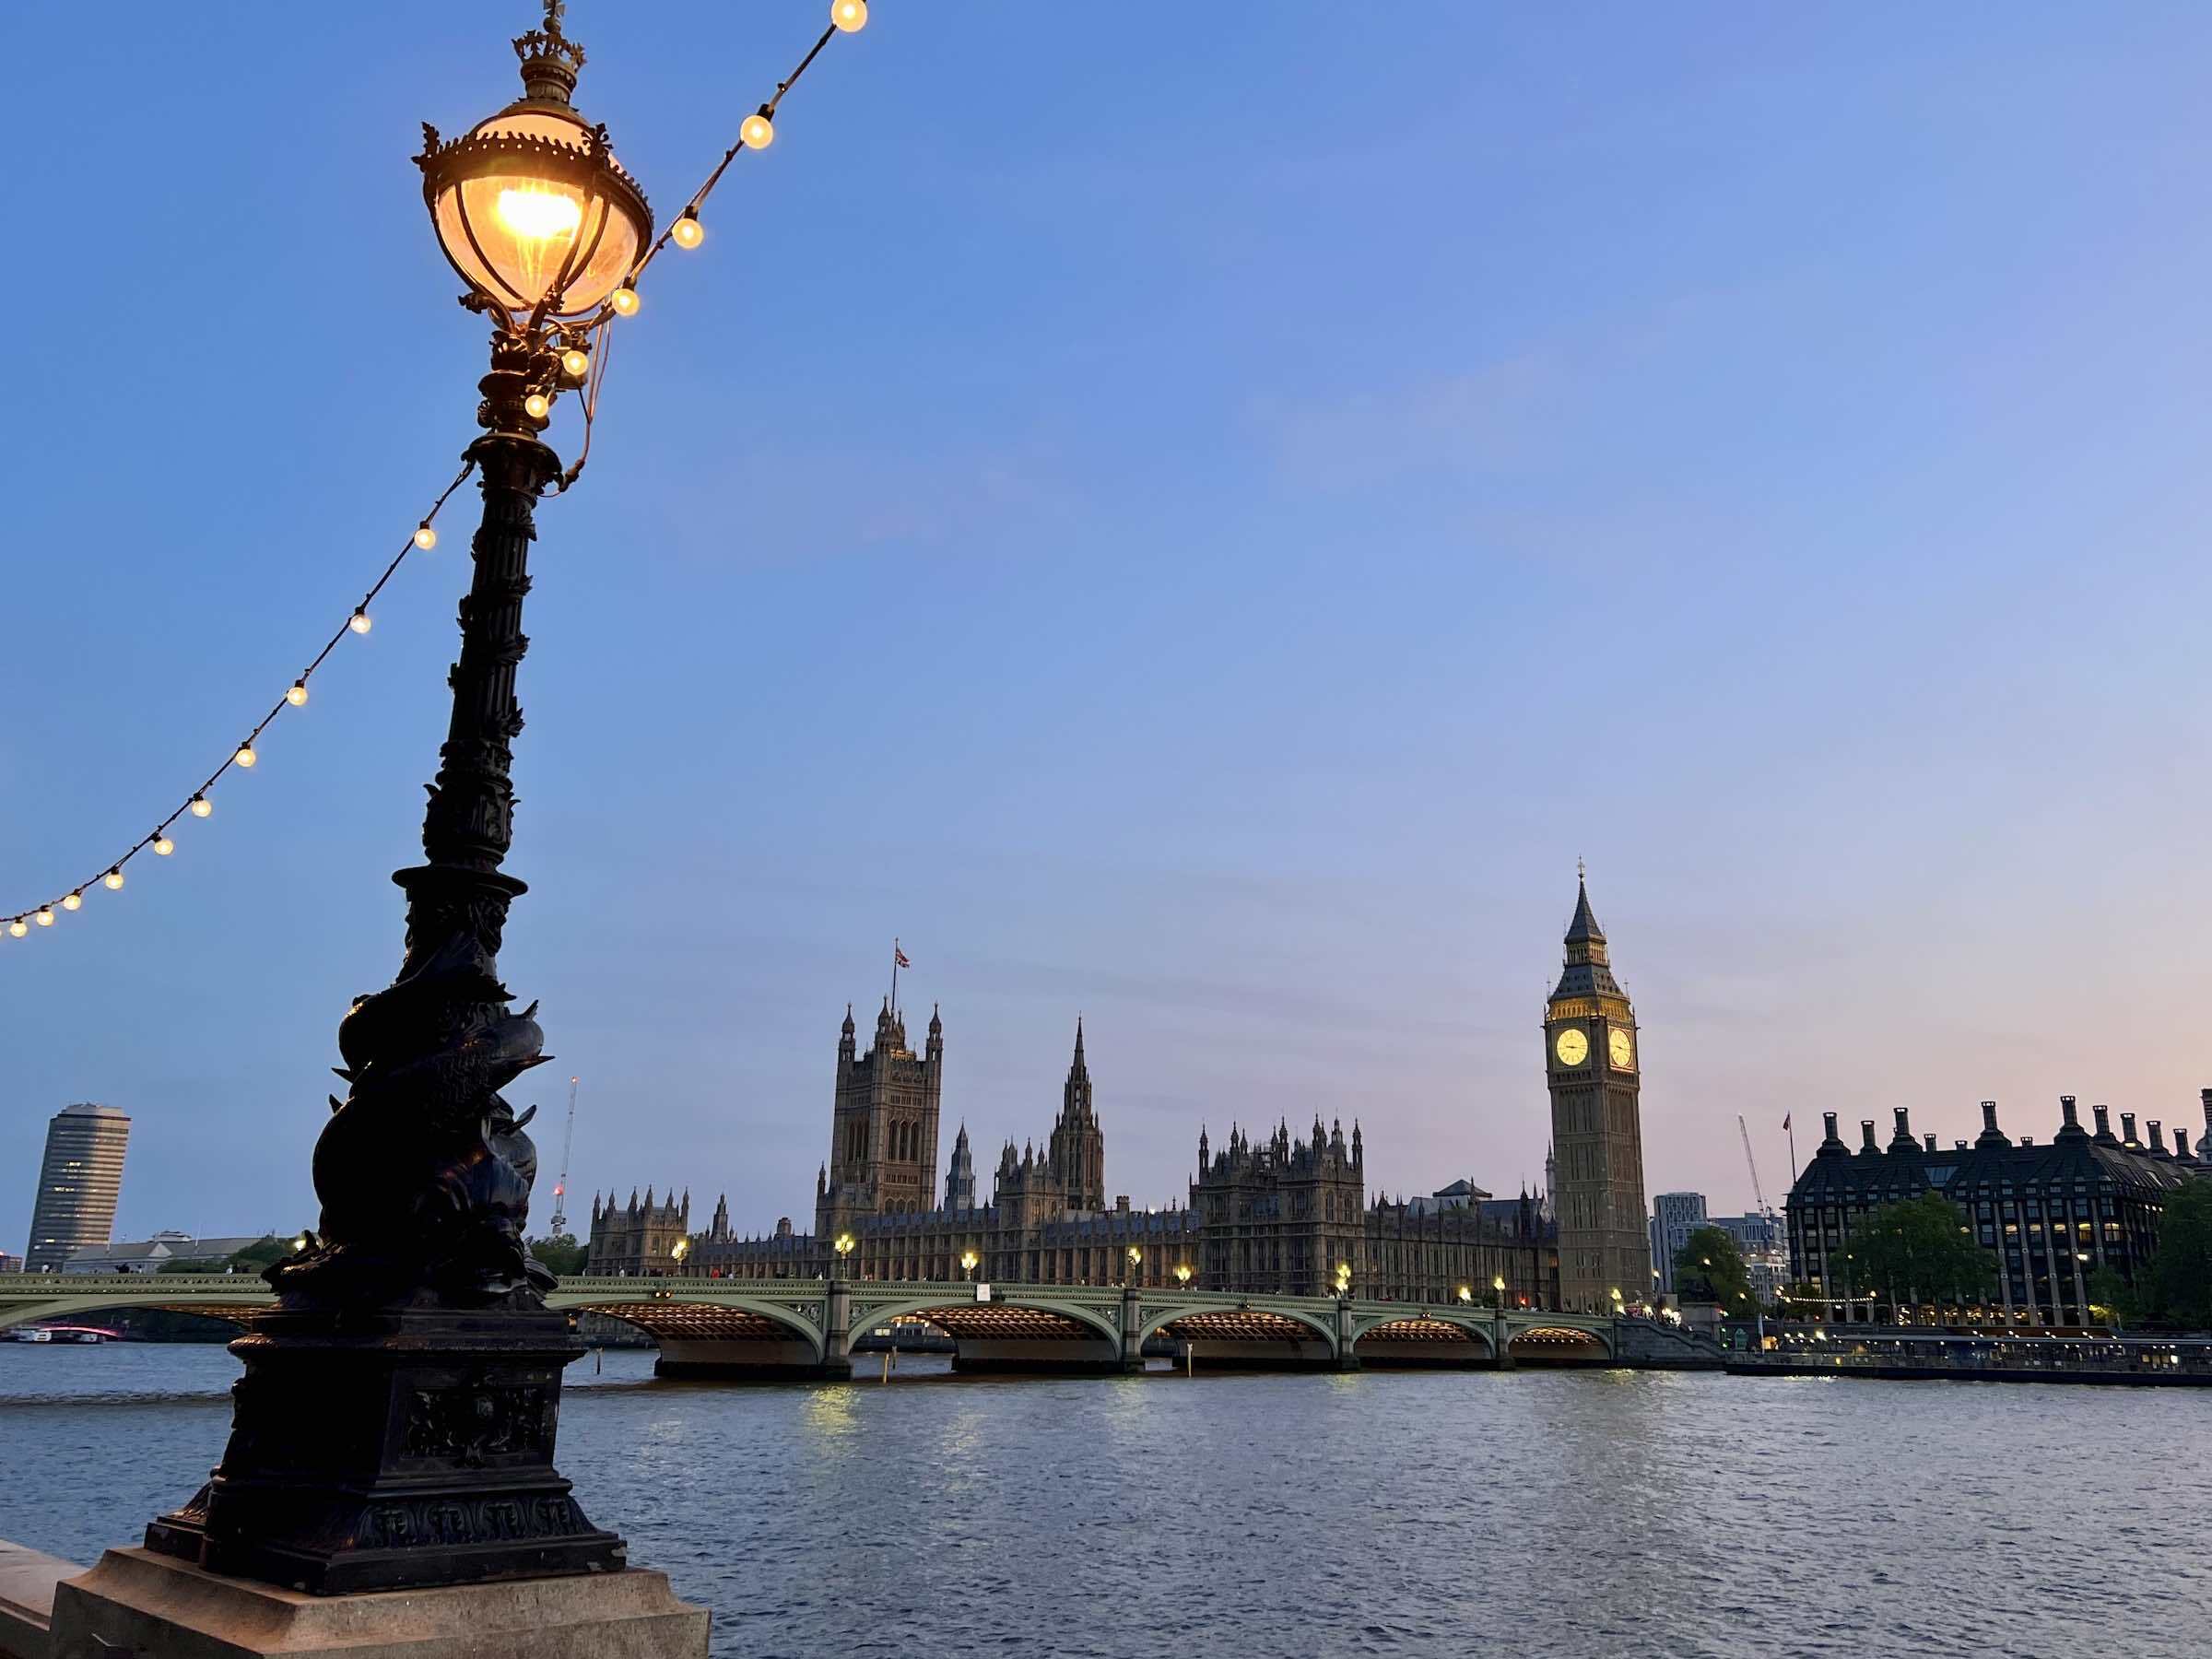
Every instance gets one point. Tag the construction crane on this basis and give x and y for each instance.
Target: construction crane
(568, 1140)
(1764, 1209)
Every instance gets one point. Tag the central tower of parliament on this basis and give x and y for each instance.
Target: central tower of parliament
(1269, 1211)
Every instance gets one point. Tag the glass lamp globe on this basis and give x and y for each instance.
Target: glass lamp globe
(530, 206)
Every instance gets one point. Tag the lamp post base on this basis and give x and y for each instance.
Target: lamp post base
(136, 1602)
(404, 1449)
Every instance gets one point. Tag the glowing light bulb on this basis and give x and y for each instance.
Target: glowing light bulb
(359, 621)
(535, 405)
(688, 232)
(74, 902)
(425, 537)
(201, 805)
(575, 362)
(46, 915)
(850, 15)
(758, 132)
(113, 880)
(297, 695)
(539, 215)
(245, 756)
(163, 846)
(625, 301)
(16, 928)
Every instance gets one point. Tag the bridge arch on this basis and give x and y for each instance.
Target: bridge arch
(671, 1317)
(867, 1315)
(123, 1298)
(1411, 1332)
(1570, 1341)
(1157, 1318)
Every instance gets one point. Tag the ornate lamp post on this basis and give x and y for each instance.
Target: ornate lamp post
(969, 1261)
(395, 1427)
(1182, 1275)
(1136, 1259)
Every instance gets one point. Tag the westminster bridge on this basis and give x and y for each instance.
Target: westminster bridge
(800, 1329)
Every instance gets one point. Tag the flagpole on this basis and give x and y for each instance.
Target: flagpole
(1790, 1129)
(895, 985)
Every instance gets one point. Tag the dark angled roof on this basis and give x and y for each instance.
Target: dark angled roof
(1586, 973)
(1584, 927)
(1991, 1162)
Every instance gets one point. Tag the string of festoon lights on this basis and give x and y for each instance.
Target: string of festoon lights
(584, 359)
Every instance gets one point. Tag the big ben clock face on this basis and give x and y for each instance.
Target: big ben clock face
(1622, 1047)
(1571, 1046)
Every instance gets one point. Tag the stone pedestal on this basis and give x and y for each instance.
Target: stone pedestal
(135, 1602)
(399, 1449)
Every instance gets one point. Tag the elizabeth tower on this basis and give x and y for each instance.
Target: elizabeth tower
(1591, 1062)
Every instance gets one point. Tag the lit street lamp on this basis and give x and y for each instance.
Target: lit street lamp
(410, 1378)
(969, 1261)
(1136, 1257)
(842, 1244)
(1343, 1278)
(1498, 1290)
(1183, 1274)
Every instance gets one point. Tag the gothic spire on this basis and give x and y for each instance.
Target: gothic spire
(1588, 972)
(1583, 929)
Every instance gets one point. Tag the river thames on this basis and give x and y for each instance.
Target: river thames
(1601, 1512)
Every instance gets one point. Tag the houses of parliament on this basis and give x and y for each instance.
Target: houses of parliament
(1277, 1211)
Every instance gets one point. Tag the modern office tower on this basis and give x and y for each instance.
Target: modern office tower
(80, 1180)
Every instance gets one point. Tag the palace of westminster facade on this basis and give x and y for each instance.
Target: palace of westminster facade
(1277, 1213)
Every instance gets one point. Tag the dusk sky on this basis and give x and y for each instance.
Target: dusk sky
(1196, 517)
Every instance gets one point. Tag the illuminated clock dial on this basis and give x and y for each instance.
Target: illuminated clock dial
(1622, 1048)
(1571, 1046)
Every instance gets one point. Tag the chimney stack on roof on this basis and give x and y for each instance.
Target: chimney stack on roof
(1867, 1136)
(2155, 1140)
(2103, 1114)
(2069, 1117)
(2127, 1131)
(1991, 1135)
(1930, 1138)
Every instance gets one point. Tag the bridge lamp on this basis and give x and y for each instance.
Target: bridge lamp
(1466, 1293)
(1182, 1273)
(969, 1261)
(843, 1246)
(1344, 1277)
(680, 1250)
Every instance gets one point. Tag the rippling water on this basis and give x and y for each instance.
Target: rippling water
(1567, 1513)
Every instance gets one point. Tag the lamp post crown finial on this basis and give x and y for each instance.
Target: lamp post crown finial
(550, 60)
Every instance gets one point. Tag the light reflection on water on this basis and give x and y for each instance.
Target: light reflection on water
(1598, 1514)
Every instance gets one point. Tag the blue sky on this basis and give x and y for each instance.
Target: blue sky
(1200, 523)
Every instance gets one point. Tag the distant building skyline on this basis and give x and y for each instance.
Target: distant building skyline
(1675, 1216)
(80, 1181)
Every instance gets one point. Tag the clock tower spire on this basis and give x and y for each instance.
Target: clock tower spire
(1593, 1065)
